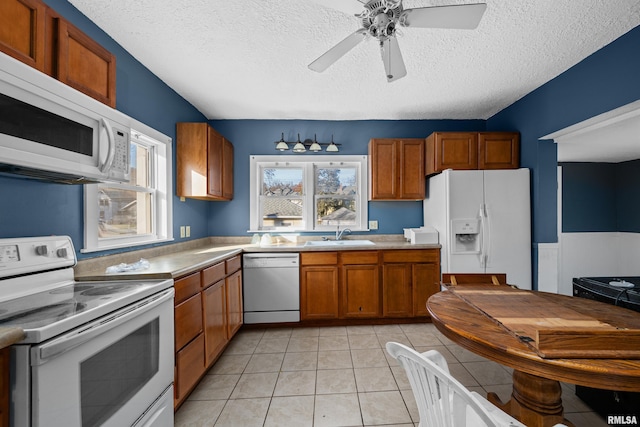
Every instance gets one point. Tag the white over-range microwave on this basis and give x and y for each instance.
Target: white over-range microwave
(51, 131)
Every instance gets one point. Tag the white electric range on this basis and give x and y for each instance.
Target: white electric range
(94, 353)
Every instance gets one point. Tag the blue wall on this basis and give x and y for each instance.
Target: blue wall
(257, 137)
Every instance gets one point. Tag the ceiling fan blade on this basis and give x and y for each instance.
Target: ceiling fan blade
(463, 16)
(338, 51)
(392, 58)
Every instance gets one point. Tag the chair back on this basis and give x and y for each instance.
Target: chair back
(442, 401)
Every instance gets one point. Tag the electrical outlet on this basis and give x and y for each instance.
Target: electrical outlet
(182, 231)
(373, 225)
(188, 231)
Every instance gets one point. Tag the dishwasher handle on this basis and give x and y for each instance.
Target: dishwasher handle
(271, 260)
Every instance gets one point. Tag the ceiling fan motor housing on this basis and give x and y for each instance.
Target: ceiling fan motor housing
(381, 17)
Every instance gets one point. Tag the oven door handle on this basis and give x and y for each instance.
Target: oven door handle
(93, 329)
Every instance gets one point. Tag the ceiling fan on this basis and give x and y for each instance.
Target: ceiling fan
(381, 19)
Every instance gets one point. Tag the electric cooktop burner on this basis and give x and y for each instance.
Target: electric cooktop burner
(44, 314)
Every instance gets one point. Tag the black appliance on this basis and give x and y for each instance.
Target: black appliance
(623, 292)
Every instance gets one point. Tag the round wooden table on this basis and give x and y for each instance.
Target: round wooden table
(536, 397)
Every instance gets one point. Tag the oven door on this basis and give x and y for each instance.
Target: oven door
(108, 372)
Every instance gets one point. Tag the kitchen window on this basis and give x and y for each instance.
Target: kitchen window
(289, 193)
(137, 212)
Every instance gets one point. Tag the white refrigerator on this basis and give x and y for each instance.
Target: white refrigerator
(483, 218)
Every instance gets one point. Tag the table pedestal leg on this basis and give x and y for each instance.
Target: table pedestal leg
(535, 401)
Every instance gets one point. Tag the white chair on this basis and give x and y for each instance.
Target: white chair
(442, 401)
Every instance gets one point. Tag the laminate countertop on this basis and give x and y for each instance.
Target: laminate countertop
(10, 336)
(177, 260)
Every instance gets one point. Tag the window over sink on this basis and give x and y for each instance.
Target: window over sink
(137, 212)
(293, 193)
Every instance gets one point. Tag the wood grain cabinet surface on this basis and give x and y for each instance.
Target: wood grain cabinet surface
(319, 286)
(396, 169)
(208, 313)
(22, 31)
(471, 150)
(367, 285)
(204, 163)
(37, 35)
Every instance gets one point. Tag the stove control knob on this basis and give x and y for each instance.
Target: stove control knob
(61, 253)
(42, 250)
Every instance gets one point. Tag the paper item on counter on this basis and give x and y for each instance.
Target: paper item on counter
(143, 264)
(422, 235)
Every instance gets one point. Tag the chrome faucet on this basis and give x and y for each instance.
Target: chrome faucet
(340, 233)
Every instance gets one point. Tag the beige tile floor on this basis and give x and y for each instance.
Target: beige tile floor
(336, 376)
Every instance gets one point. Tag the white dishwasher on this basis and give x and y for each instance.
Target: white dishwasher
(271, 287)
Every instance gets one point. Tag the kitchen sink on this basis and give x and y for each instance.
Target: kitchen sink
(339, 243)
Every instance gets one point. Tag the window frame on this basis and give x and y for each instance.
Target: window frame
(307, 163)
(160, 186)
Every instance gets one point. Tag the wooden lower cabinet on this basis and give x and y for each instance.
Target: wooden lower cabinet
(368, 284)
(233, 287)
(208, 312)
(319, 286)
(5, 356)
(397, 298)
(359, 284)
(214, 312)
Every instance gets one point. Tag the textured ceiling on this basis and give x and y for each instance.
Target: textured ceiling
(247, 59)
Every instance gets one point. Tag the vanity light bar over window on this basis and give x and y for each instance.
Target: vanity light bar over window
(307, 144)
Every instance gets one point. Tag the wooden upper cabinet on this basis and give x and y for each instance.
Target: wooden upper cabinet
(396, 169)
(204, 163)
(22, 31)
(451, 150)
(472, 150)
(38, 36)
(498, 150)
(83, 64)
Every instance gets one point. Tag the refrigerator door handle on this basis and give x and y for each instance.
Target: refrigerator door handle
(484, 244)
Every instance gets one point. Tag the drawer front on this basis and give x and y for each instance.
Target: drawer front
(358, 257)
(188, 320)
(213, 274)
(186, 287)
(190, 366)
(409, 255)
(319, 258)
(233, 264)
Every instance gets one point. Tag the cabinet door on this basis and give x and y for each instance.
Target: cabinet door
(214, 163)
(22, 26)
(383, 169)
(234, 303)
(85, 65)
(5, 367)
(189, 368)
(498, 150)
(227, 170)
(319, 291)
(426, 282)
(191, 159)
(396, 290)
(360, 291)
(214, 313)
(451, 150)
(411, 170)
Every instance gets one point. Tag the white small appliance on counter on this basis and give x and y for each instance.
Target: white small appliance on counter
(423, 235)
